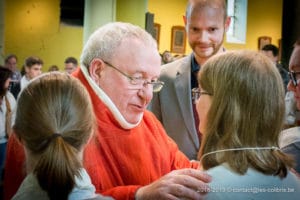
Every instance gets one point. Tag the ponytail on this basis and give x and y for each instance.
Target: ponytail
(57, 167)
(53, 136)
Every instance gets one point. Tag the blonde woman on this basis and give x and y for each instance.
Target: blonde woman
(241, 112)
(54, 121)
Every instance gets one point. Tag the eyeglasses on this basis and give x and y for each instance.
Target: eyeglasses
(139, 81)
(293, 77)
(196, 93)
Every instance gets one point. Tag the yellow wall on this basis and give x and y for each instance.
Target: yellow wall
(167, 13)
(132, 11)
(33, 28)
(264, 18)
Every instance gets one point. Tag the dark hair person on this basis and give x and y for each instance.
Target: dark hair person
(7, 105)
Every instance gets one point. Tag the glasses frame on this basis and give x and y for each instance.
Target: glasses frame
(293, 77)
(196, 93)
(156, 85)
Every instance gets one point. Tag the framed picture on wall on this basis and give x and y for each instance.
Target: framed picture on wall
(156, 33)
(280, 49)
(178, 38)
(263, 40)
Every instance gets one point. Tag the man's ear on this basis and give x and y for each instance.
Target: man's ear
(227, 23)
(95, 69)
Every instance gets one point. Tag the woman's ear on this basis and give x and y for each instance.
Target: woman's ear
(95, 69)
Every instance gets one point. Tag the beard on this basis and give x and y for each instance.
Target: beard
(204, 51)
(209, 50)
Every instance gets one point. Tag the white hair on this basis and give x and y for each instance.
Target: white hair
(106, 39)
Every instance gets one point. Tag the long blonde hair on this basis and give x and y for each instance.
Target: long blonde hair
(247, 110)
(54, 119)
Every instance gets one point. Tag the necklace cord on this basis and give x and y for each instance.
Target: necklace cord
(240, 149)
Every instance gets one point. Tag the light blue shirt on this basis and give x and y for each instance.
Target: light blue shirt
(227, 184)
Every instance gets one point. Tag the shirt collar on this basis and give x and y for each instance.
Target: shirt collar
(195, 65)
(108, 102)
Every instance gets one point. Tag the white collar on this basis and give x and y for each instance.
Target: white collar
(108, 102)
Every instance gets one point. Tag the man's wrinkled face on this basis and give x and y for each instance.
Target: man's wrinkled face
(138, 61)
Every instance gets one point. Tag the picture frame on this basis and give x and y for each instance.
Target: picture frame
(263, 40)
(280, 49)
(178, 39)
(156, 33)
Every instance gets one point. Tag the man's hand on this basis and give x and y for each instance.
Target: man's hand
(178, 184)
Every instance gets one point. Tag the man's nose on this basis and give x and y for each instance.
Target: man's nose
(203, 36)
(146, 92)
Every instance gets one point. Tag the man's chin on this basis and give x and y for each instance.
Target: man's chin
(135, 119)
(205, 54)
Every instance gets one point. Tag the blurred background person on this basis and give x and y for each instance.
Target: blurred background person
(71, 65)
(7, 106)
(53, 68)
(11, 63)
(33, 68)
(167, 57)
(272, 52)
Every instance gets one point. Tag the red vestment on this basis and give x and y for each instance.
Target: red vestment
(118, 160)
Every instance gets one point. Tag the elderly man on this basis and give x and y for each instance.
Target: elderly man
(131, 156)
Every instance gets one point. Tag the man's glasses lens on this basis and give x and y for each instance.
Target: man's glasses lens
(157, 86)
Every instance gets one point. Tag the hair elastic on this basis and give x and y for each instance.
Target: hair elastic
(55, 135)
(45, 143)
